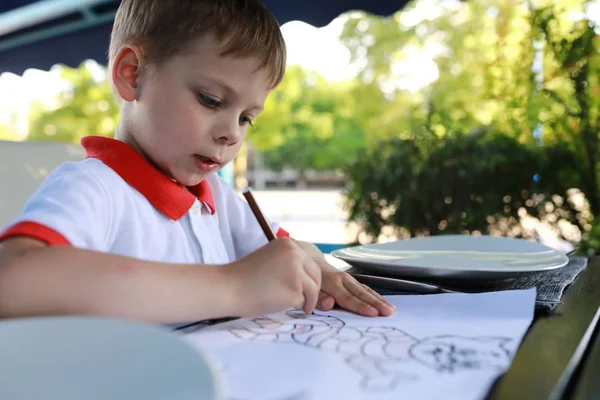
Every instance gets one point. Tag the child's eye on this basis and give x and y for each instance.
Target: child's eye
(245, 120)
(208, 101)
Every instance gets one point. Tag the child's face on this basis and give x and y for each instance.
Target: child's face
(191, 114)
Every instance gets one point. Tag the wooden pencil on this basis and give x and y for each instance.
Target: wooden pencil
(262, 221)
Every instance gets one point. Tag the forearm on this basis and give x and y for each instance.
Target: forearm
(64, 280)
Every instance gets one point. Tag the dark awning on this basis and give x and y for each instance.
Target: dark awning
(41, 33)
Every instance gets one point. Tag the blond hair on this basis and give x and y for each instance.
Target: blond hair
(164, 28)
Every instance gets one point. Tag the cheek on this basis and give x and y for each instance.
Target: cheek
(176, 120)
(234, 150)
(158, 116)
(167, 105)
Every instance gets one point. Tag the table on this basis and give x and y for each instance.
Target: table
(559, 357)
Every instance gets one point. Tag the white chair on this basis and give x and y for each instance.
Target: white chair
(74, 358)
(23, 167)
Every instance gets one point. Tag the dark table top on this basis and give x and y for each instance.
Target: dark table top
(559, 357)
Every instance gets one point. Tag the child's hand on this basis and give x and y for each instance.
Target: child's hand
(341, 288)
(276, 277)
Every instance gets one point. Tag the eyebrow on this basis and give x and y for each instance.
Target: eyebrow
(223, 85)
(256, 108)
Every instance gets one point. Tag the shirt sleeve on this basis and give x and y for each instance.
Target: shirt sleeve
(71, 208)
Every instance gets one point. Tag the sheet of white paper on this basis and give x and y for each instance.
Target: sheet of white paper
(450, 346)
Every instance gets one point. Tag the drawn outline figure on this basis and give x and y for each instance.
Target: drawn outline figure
(381, 355)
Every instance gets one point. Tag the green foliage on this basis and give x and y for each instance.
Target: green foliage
(438, 171)
(384, 186)
(483, 51)
(476, 183)
(590, 242)
(309, 123)
(571, 87)
(85, 107)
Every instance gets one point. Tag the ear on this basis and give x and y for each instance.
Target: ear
(126, 70)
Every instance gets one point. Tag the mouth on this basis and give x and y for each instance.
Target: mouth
(208, 160)
(207, 164)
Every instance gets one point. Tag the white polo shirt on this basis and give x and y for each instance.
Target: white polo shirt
(115, 201)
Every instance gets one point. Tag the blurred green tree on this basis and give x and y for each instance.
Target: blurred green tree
(309, 123)
(85, 107)
(481, 107)
(571, 87)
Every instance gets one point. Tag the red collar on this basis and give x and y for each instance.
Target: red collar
(170, 198)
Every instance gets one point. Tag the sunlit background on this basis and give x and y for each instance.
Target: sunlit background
(448, 117)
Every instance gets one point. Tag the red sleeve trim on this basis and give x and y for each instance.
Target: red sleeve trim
(35, 231)
(282, 233)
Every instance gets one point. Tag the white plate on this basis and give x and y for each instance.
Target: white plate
(455, 257)
(74, 358)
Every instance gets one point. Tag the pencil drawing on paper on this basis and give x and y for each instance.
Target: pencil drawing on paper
(382, 356)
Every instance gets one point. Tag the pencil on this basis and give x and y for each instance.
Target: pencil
(262, 221)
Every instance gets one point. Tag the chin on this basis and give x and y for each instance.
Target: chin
(189, 182)
(188, 179)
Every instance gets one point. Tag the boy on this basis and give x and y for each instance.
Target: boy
(123, 232)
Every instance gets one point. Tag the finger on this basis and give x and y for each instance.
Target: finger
(350, 302)
(370, 297)
(311, 294)
(362, 301)
(377, 295)
(326, 302)
(385, 307)
(312, 269)
(391, 306)
(309, 265)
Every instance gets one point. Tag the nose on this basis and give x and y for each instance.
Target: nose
(227, 131)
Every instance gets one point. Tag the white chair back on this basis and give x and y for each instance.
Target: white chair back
(23, 167)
